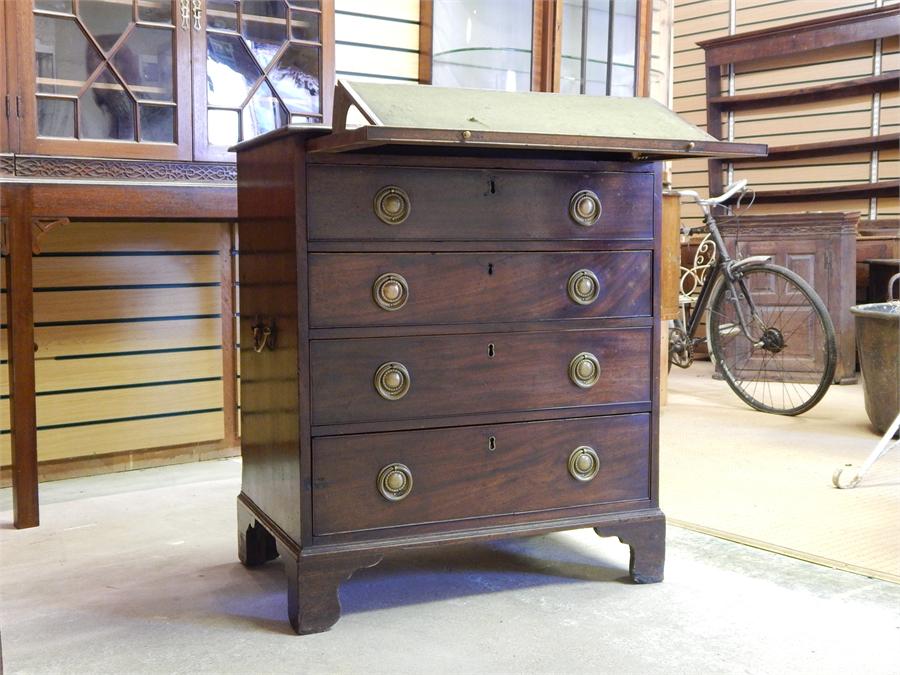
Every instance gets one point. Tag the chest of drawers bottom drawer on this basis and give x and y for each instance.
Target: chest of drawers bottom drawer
(371, 481)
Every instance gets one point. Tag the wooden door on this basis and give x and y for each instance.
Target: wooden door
(106, 78)
(9, 123)
(259, 65)
(809, 259)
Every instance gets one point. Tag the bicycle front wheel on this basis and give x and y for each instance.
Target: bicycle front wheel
(787, 364)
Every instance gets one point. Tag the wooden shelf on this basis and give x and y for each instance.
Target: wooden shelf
(840, 147)
(823, 92)
(804, 36)
(886, 188)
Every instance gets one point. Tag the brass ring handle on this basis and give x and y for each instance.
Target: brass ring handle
(392, 205)
(584, 370)
(392, 381)
(395, 482)
(390, 291)
(585, 207)
(584, 463)
(583, 287)
(263, 335)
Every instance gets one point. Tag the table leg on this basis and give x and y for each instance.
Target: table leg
(20, 345)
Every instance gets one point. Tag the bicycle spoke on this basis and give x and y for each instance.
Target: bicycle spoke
(778, 370)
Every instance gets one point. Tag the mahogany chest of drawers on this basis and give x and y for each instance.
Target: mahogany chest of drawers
(441, 344)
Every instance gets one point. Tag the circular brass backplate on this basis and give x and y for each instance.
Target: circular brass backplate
(391, 205)
(584, 370)
(392, 381)
(390, 291)
(585, 207)
(395, 482)
(584, 463)
(583, 287)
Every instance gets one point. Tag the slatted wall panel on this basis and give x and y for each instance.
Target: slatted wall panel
(695, 20)
(785, 125)
(128, 334)
(377, 41)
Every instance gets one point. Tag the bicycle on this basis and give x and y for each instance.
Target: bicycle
(768, 331)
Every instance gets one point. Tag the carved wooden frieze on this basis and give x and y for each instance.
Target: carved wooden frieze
(7, 165)
(125, 170)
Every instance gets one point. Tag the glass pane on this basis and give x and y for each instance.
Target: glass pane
(64, 59)
(264, 28)
(300, 119)
(305, 4)
(624, 44)
(54, 5)
(624, 34)
(263, 113)
(222, 127)
(484, 44)
(158, 11)
(230, 71)
(56, 117)
(222, 14)
(106, 110)
(296, 78)
(597, 47)
(145, 61)
(622, 81)
(157, 123)
(570, 66)
(105, 19)
(305, 26)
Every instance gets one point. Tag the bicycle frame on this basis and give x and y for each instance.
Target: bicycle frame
(723, 264)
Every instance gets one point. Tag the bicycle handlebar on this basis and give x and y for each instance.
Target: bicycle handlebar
(730, 191)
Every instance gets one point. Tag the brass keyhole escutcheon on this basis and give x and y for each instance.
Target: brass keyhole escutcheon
(390, 291)
(392, 205)
(492, 443)
(395, 482)
(584, 370)
(392, 381)
(585, 207)
(491, 350)
(583, 287)
(584, 463)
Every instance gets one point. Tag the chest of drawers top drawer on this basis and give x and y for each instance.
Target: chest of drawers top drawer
(401, 289)
(356, 202)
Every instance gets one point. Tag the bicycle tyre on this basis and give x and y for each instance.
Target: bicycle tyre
(779, 361)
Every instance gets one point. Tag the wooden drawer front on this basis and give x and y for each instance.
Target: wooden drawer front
(476, 204)
(476, 287)
(457, 374)
(456, 475)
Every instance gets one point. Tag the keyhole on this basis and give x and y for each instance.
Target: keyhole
(490, 268)
(493, 187)
(491, 350)
(492, 444)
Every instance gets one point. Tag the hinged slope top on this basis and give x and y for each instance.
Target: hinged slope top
(426, 115)
(405, 114)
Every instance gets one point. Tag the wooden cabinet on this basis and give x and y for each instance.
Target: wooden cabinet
(821, 248)
(165, 79)
(452, 342)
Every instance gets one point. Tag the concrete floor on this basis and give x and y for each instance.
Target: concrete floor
(137, 573)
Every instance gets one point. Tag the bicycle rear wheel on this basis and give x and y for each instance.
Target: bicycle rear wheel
(789, 363)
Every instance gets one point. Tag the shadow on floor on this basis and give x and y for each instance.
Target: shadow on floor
(415, 577)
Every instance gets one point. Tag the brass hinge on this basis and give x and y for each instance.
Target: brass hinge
(18, 106)
(7, 106)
